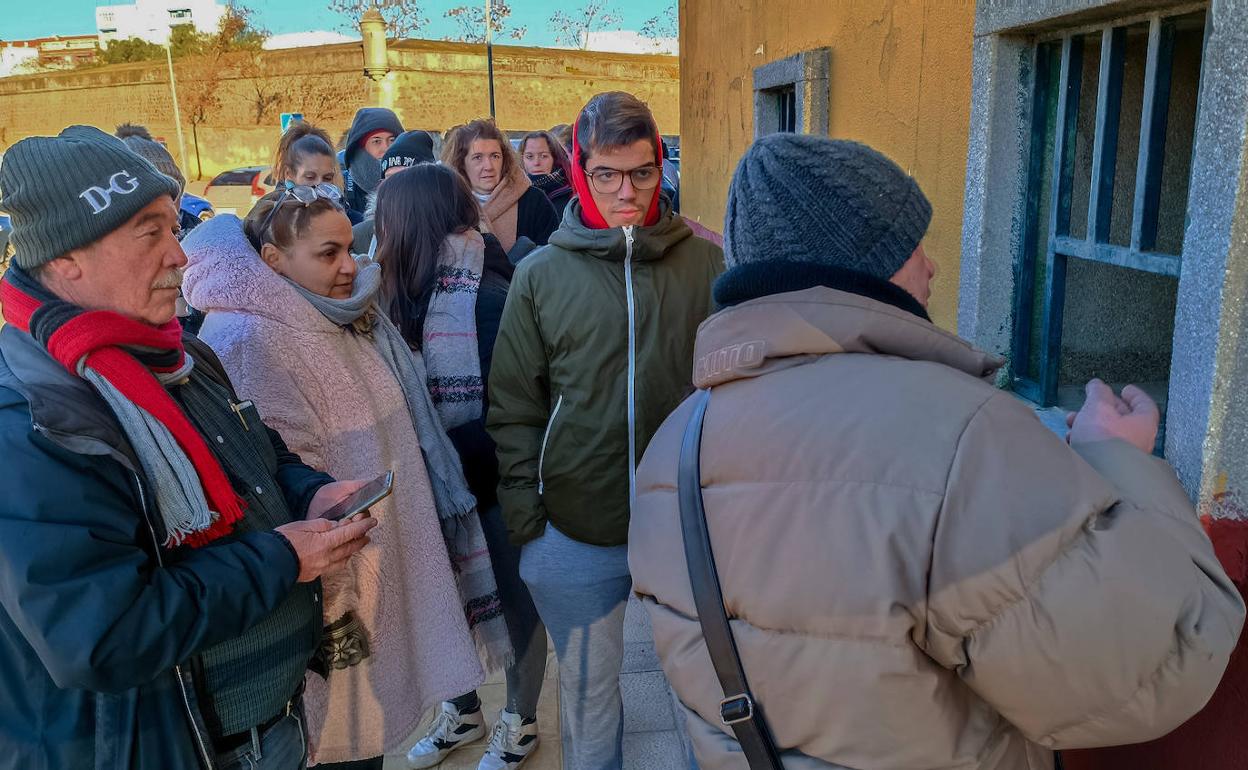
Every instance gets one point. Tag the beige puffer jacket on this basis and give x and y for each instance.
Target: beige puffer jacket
(920, 575)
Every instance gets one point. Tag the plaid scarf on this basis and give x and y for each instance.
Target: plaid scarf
(450, 331)
(552, 184)
(130, 363)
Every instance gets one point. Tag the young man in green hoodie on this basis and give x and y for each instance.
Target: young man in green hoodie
(595, 349)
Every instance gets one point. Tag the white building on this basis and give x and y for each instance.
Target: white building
(630, 41)
(153, 20)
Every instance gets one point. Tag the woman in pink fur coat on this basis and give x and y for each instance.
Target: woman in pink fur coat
(397, 640)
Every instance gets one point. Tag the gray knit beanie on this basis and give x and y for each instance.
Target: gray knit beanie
(827, 201)
(158, 156)
(66, 191)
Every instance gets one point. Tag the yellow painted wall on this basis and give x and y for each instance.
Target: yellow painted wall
(900, 80)
(432, 86)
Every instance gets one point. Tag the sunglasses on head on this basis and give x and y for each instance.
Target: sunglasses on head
(305, 194)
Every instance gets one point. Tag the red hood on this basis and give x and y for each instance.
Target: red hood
(590, 215)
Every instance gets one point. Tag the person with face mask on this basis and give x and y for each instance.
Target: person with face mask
(594, 351)
(293, 316)
(372, 132)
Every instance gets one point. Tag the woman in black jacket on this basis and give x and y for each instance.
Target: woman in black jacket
(548, 167)
(444, 285)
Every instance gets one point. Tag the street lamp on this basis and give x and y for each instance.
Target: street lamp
(489, 50)
(173, 90)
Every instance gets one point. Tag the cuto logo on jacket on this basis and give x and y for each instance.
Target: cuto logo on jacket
(100, 198)
(745, 355)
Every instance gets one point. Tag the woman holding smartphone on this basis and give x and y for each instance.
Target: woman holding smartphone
(291, 315)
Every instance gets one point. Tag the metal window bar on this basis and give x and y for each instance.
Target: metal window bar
(1152, 135)
(1061, 246)
(1059, 215)
(787, 103)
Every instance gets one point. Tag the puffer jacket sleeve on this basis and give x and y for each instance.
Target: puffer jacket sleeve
(519, 397)
(79, 582)
(1075, 591)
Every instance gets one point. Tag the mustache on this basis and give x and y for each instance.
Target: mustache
(170, 280)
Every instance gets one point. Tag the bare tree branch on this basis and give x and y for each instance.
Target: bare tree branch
(572, 29)
(471, 22)
(403, 17)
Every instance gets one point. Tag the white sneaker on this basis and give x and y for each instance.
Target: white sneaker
(511, 743)
(452, 730)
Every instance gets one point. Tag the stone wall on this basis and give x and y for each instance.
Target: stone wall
(899, 79)
(431, 85)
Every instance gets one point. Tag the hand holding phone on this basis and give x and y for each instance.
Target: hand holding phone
(361, 499)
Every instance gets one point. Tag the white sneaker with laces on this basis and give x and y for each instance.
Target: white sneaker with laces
(511, 743)
(451, 730)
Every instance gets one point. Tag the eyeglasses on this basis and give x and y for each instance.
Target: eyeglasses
(607, 181)
(305, 194)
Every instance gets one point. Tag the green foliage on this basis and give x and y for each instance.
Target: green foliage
(131, 50)
(235, 33)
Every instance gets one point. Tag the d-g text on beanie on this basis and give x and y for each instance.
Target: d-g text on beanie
(806, 198)
(66, 191)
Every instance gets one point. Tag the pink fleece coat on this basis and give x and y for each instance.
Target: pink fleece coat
(335, 402)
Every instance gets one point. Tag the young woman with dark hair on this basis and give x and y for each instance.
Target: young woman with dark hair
(548, 167)
(444, 286)
(305, 155)
(510, 207)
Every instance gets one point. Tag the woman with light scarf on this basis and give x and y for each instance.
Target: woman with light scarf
(511, 207)
(292, 317)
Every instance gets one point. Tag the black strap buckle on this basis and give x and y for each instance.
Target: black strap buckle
(737, 709)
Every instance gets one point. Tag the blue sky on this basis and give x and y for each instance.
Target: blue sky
(41, 18)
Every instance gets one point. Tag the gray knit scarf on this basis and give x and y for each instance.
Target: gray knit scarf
(450, 331)
(456, 506)
(170, 473)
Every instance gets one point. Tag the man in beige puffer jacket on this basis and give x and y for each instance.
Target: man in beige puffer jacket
(918, 573)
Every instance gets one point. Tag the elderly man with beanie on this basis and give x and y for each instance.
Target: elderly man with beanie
(160, 548)
(409, 149)
(916, 572)
(372, 132)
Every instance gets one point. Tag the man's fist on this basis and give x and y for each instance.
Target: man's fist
(1134, 417)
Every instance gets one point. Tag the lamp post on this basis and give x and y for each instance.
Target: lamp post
(489, 50)
(173, 90)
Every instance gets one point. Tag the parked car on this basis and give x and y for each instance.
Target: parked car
(194, 210)
(237, 190)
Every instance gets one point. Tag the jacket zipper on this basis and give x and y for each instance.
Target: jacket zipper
(632, 365)
(177, 669)
(541, 457)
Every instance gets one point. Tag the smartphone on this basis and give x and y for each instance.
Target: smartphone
(363, 498)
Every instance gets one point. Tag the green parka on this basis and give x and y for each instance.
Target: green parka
(594, 351)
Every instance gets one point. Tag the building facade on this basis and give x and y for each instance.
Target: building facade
(1086, 162)
(46, 53)
(152, 20)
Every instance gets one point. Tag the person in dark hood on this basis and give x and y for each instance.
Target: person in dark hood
(409, 149)
(372, 132)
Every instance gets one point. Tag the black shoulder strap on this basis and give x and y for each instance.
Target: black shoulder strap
(738, 709)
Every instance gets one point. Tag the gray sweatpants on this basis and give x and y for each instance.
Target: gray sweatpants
(581, 591)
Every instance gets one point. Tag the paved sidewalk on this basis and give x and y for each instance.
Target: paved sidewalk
(654, 737)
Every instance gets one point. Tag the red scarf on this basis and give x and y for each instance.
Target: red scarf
(70, 334)
(590, 214)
